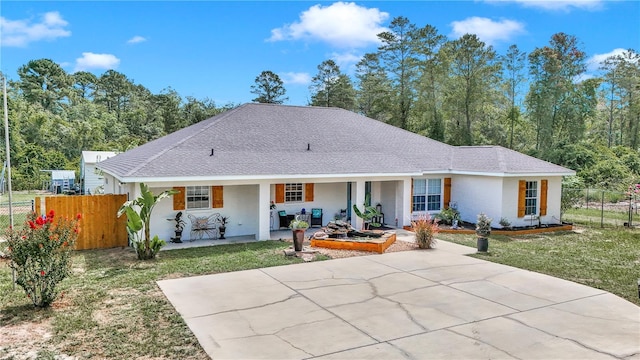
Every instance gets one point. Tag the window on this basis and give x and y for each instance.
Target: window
(427, 194)
(198, 197)
(293, 192)
(531, 198)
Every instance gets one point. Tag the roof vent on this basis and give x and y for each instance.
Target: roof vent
(211, 152)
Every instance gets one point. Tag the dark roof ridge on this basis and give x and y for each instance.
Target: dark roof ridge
(212, 121)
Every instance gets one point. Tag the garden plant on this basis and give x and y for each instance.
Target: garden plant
(41, 255)
(138, 213)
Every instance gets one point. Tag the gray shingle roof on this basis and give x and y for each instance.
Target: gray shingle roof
(270, 140)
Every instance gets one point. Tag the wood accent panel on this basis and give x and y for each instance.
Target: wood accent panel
(217, 194)
(279, 193)
(179, 199)
(522, 190)
(447, 192)
(308, 192)
(544, 185)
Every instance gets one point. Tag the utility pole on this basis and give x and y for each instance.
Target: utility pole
(8, 153)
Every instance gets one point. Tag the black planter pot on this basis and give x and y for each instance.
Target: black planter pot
(298, 239)
(483, 244)
(178, 237)
(222, 231)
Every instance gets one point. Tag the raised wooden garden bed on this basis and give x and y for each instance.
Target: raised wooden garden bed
(378, 245)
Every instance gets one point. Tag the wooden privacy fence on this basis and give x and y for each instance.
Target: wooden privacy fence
(100, 227)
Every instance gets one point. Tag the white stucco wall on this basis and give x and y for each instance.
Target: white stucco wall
(476, 194)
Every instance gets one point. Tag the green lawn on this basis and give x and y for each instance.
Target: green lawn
(17, 196)
(594, 217)
(607, 259)
(112, 307)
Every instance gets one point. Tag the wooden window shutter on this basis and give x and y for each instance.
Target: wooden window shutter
(411, 195)
(543, 197)
(179, 198)
(308, 192)
(279, 193)
(447, 192)
(522, 189)
(217, 194)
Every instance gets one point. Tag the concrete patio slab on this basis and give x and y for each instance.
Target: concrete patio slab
(529, 343)
(434, 304)
(445, 344)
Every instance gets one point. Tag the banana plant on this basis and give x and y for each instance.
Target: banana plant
(368, 213)
(138, 213)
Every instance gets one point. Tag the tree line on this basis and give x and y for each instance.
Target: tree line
(461, 92)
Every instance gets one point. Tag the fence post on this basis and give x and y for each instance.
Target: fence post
(586, 200)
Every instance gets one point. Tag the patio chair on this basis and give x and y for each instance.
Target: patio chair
(204, 227)
(316, 217)
(285, 219)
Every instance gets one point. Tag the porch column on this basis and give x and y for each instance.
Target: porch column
(264, 213)
(358, 201)
(406, 203)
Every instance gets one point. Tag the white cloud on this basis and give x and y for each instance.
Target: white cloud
(136, 39)
(20, 33)
(346, 61)
(594, 62)
(340, 24)
(96, 61)
(486, 29)
(555, 5)
(295, 78)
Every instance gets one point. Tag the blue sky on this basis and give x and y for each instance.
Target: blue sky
(215, 49)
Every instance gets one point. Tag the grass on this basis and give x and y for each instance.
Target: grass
(607, 259)
(112, 308)
(18, 196)
(594, 217)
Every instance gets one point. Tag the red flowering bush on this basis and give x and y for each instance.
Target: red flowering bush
(41, 255)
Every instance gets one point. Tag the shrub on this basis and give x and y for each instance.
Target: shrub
(483, 225)
(448, 215)
(41, 255)
(425, 228)
(504, 222)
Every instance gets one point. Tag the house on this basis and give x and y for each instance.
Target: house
(62, 181)
(91, 179)
(240, 161)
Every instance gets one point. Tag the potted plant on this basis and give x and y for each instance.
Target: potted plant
(483, 230)
(224, 220)
(368, 214)
(179, 226)
(298, 227)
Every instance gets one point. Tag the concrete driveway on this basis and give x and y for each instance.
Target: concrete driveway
(430, 304)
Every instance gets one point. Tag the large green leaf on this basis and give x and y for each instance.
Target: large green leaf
(134, 221)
